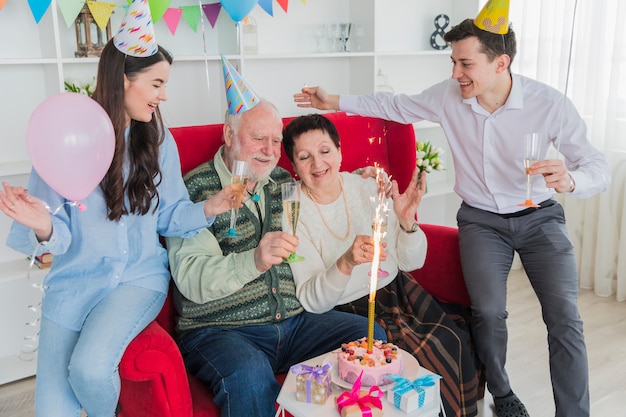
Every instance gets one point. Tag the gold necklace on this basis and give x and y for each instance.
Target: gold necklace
(345, 202)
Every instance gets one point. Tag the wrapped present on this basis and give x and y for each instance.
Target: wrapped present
(357, 403)
(422, 393)
(312, 383)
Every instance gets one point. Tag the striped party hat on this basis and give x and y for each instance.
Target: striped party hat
(136, 35)
(494, 17)
(239, 96)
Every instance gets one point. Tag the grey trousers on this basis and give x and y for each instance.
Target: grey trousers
(488, 242)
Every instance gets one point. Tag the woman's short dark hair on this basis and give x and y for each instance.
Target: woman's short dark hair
(303, 124)
(493, 44)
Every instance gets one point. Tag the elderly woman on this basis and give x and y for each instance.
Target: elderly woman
(335, 232)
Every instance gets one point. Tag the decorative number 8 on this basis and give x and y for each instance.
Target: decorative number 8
(439, 32)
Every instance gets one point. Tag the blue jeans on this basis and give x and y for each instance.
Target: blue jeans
(239, 364)
(77, 370)
(488, 242)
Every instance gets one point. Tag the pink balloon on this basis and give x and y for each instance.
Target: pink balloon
(70, 141)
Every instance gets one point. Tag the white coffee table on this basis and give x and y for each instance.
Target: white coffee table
(287, 399)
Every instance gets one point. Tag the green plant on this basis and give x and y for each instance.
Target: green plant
(81, 88)
(428, 157)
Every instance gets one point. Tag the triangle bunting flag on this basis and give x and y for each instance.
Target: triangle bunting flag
(69, 10)
(191, 14)
(101, 12)
(267, 6)
(284, 4)
(158, 8)
(212, 11)
(38, 8)
(171, 17)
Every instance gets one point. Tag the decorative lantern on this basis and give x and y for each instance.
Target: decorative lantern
(89, 37)
(249, 36)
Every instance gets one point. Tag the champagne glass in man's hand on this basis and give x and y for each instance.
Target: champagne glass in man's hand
(238, 181)
(532, 143)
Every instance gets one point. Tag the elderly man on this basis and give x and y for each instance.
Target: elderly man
(240, 321)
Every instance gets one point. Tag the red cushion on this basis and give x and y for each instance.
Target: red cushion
(153, 376)
(442, 275)
(196, 144)
(365, 141)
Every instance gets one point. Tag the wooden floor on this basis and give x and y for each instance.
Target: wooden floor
(527, 360)
(605, 333)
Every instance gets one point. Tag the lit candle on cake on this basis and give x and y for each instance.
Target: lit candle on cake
(377, 235)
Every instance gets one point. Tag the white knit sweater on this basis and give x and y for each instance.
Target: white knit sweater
(319, 284)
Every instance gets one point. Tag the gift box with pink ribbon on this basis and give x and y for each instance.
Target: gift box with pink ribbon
(357, 403)
(312, 383)
(419, 394)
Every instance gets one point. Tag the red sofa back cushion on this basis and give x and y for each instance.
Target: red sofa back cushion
(365, 141)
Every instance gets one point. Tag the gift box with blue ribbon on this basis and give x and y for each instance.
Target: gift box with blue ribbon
(419, 394)
(312, 383)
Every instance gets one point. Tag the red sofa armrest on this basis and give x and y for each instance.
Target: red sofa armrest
(153, 377)
(442, 275)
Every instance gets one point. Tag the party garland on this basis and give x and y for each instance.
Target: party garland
(237, 10)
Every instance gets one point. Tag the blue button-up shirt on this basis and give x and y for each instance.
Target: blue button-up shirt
(93, 255)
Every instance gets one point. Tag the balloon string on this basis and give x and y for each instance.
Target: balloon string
(569, 63)
(238, 29)
(78, 204)
(31, 337)
(204, 49)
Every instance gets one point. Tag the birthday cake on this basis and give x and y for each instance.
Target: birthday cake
(353, 358)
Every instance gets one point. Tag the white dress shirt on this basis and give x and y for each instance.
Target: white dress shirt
(487, 148)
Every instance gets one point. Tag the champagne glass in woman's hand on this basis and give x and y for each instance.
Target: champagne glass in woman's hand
(239, 178)
(291, 211)
(532, 142)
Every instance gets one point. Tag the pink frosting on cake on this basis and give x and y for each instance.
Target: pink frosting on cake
(353, 358)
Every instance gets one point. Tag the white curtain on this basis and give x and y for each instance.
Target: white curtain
(593, 33)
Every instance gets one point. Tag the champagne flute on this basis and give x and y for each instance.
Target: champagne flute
(532, 143)
(238, 181)
(344, 35)
(291, 211)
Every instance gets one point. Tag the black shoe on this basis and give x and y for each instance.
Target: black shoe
(510, 406)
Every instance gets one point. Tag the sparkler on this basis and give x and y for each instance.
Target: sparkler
(378, 232)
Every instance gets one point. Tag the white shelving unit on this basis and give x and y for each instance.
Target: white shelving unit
(36, 59)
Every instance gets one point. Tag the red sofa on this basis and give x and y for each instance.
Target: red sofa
(153, 376)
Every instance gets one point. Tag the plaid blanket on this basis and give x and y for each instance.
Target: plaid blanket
(440, 341)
